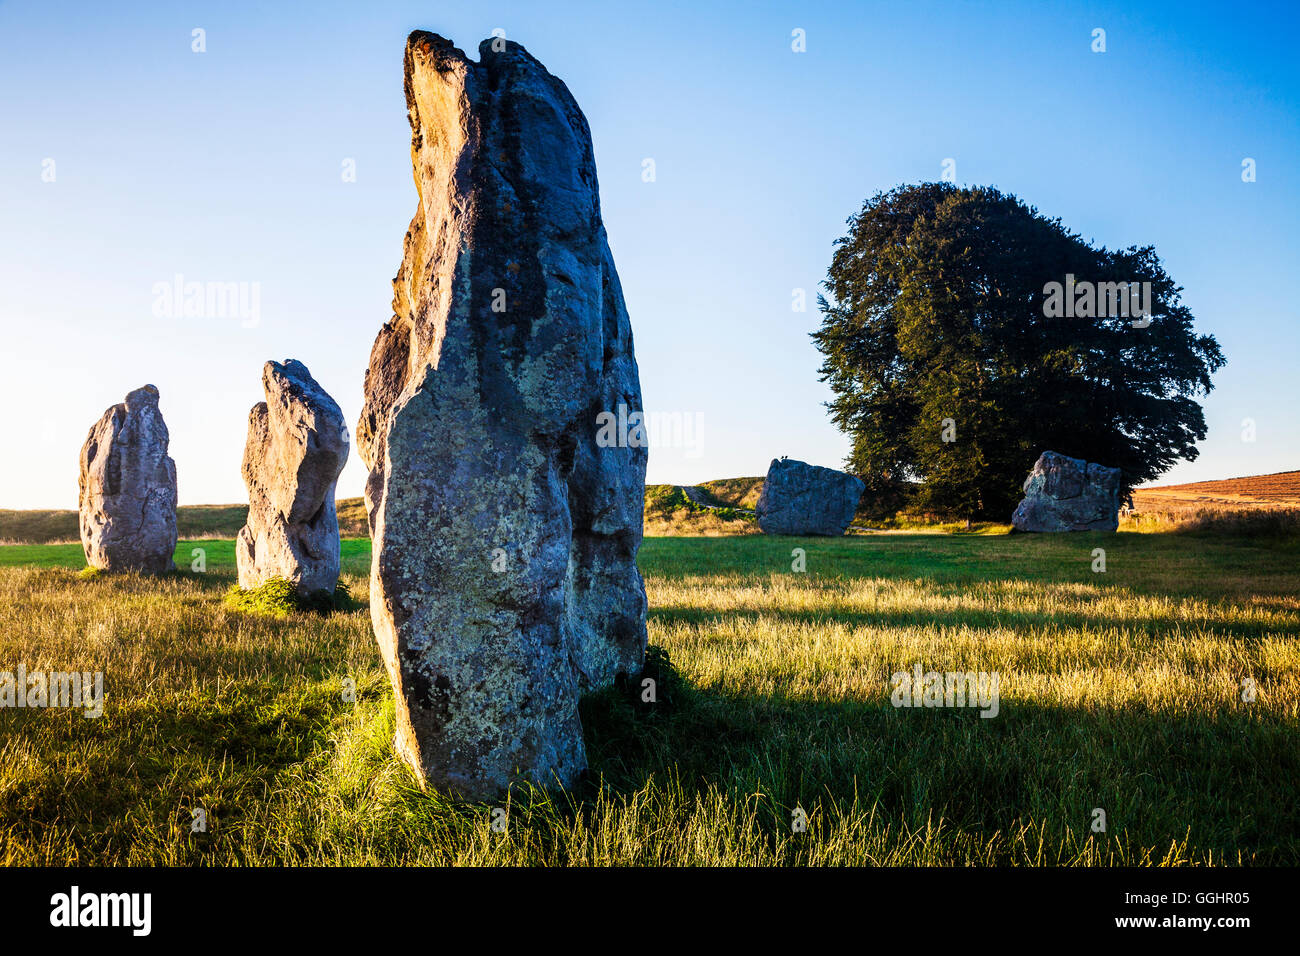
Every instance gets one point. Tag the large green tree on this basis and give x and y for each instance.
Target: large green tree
(954, 366)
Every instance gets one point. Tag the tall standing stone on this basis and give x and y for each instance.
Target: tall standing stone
(127, 500)
(297, 446)
(503, 577)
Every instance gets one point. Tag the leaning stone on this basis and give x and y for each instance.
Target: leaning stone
(802, 499)
(127, 501)
(503, 577)
(297, 446)
(1069, 494)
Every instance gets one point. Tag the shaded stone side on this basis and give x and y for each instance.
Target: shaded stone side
(1069, 494)
(802, 499)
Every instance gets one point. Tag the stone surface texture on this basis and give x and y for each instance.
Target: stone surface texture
(504, 579)
(802, 499)
(1069, 494)
(297, 446)
(127, 500)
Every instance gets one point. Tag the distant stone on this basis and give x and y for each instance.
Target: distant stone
(127, 501)
(505, 528)
(297, 446)
(802, 499)
(1069, 494)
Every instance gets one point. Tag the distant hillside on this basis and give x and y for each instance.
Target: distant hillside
(667, 512)
(1282, 488)
(353, 522)
(192, 521)
(1260, 504)
(1244, 505)
(737, 492)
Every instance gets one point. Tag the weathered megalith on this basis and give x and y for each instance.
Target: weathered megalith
(127, 500)
(503, 577)
(1069, 494)
(802, 499)
(297, 446)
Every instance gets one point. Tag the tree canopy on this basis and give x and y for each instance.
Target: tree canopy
(954, 365)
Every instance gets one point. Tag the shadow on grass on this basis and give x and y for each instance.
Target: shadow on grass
(144, 768)
(1224, 778)
(1224, 781)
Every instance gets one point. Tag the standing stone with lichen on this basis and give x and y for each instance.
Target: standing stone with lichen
(503, 578)
(127, 500)
(297, 446)
(1069, 494)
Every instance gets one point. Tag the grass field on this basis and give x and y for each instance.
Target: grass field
(1119, 690)
(670, 513)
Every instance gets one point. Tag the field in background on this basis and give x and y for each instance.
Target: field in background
(50, 527)
(1261, 504)
(1120, 691)
(192, 521)
(669, 512)
(1277, 490)
(224, 521)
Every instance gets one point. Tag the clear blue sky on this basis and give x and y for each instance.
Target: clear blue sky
(226, 166)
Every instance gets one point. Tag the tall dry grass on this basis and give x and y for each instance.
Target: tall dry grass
(1120, 690)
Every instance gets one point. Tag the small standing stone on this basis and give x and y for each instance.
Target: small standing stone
(127, 501)
(297, 446)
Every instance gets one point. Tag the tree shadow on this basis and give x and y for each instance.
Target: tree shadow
(1224, 779)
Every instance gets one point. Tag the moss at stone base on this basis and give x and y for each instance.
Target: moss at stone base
(278, 598)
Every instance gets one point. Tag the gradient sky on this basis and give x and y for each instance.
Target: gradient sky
(226, 166)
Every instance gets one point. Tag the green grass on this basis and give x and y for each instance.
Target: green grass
(1118, 690)
(217, 553)
(670, 513)
(279, 597)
